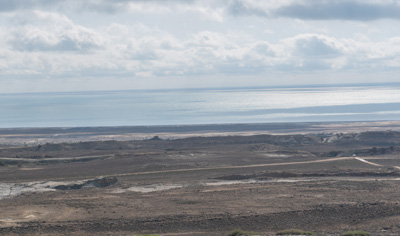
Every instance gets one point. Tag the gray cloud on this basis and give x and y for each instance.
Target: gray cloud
(105, 6)
(10, 5)
(115, 6)
(342, 10)
(6, 5)
(264, 49)
(66, 43)
(320, 10)
(307, 9)
(314, 46)
(239, 7)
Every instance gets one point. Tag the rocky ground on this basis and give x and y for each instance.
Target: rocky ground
(327, 183)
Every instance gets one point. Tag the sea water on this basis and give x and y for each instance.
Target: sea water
(200, 106)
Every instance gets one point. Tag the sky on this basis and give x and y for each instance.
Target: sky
(74, 45)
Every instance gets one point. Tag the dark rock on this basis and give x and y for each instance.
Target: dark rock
(155, 138)
(98, 183)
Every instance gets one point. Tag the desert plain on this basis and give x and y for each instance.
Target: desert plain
(201, 180)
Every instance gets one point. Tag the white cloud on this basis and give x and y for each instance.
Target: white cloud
(186, 39)
(43, 31)
(140, 50)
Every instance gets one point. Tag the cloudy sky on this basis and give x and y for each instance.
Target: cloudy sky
(69, 45)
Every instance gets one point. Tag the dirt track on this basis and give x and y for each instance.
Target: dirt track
(234, 167)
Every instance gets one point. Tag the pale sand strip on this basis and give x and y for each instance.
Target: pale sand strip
(368, 162)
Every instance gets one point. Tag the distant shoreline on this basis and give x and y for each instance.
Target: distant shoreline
(169, 128)
(34, 136)
(293, 86)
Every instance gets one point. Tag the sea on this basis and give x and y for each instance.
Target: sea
(201, 106)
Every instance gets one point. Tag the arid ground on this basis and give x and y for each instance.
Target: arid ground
(201, 180)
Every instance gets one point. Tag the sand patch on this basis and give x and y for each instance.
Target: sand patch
(14, 189)
(148, 188)
(33, 168)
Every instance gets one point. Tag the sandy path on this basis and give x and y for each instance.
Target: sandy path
(202, 169)
(233, 167)
(373, 163)
(225, 167)
(367, 162)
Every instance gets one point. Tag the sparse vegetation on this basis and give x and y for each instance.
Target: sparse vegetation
(295, 232)
(194, 177)
(356, 233)
(239, 232)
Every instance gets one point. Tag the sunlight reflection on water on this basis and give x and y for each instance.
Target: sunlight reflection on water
(200, 106)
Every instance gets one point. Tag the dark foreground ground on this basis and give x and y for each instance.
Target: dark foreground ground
(327, 183)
